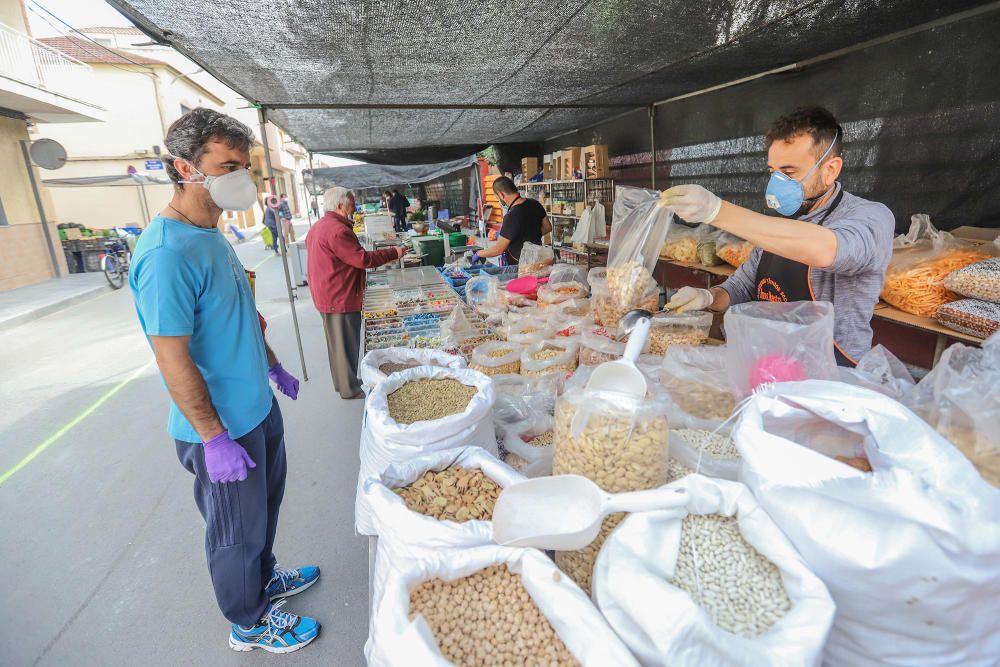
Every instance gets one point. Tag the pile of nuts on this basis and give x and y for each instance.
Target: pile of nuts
(724, 575)
(683, 249)
(496, 358)
(628, 284)
(541, 440)
(618, 448)
(607, 311)
(701, 400)
(390, 367)
(548, 358)
(452, 494)
(488, 618)
(717, 445)
(427, 400)
(514, 461)
(676, 470)
(669, 329)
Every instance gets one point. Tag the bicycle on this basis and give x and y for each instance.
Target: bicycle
(115, 260)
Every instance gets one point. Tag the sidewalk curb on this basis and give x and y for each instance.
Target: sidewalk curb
(54, 307)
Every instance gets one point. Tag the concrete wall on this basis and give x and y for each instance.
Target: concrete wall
(24, 257)
(12, 13)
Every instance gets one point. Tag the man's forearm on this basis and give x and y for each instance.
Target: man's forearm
(272, 359)
(792, 239)
(188, 389)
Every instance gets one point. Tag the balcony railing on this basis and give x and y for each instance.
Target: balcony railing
(41, 66)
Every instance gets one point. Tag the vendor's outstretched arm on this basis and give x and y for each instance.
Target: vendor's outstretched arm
(496, 249)
(792, 239)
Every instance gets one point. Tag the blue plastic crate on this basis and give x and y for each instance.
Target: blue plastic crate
(455, 281)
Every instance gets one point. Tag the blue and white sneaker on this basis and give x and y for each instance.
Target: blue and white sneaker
(278, 632)
(286, 582)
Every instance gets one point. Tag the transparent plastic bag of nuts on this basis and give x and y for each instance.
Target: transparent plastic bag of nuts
(535, 260)
(529, 331)
(549, 356)
(634, 251)
(496, 358)
(398, 640)
(518, 439)
(663, 624)
(670, 328)
(598, 346)
(619, 442)
(697, 380)
(606, 308)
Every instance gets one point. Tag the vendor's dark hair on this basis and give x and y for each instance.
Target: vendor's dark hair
(504, 185)
(188, 135)
(817, 122)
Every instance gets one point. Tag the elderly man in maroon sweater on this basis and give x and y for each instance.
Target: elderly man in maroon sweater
(337, 264)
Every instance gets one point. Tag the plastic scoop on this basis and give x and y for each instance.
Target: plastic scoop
(526, 285)
(565, 512)
(622, 375)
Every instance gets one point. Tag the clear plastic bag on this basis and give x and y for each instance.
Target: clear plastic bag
(921, 260)
(671, 328)
(977, 281)
(779, 342)
(878, 369)
(482, 290)
(550, 356)
(634, 251)
(971, 316)
(698, 383)
(608, 310)
(568, 273)
(960, 399)
(598, 346)
(555, 293)
(732, 249)
(532, 442)
(535, 260)
(528, 331)
(496, 359)
(628, 198)
(456, 327)
(682, 242)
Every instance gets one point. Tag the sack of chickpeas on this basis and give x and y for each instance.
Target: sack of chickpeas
(488, 605)
(908, 543)
(377, 365)
(712, 583)
(418, 411)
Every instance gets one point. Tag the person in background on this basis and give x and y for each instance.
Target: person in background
(196, 308)
(271, 204)
(386, 198)
(398, 205)
(829, 245)
(315, 208)
(285, 213)
(524, 221)
(336, 275)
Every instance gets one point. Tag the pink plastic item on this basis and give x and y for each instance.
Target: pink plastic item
(525, 285)
(775, 368)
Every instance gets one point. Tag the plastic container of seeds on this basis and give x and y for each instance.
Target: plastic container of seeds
(496, 358)
(550, 356)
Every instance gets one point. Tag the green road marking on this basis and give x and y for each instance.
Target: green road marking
(262, 262)
(76, 420)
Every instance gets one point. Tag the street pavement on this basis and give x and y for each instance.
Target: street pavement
(102, 556)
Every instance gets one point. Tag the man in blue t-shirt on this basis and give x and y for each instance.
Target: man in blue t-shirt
(198, 313)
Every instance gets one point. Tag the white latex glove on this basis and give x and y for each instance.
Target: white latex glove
(691, 202)
(690, 298)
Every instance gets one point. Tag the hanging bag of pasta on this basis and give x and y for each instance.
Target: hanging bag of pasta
(921, 260)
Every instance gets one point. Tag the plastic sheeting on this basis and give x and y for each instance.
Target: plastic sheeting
(382, 59)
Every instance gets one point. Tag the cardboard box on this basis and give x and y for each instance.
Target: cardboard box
(547, 167)
(595, 161)
(73, 234)
(578, 208)
(529, 167)
(557, 166)
(985, 234)
(571, 161)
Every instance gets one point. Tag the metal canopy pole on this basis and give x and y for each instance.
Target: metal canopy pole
(262, 115)
(652, 144)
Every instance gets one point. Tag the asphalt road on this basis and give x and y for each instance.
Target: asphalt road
(102, 557)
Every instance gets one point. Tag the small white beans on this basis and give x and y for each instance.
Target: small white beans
(718, 445)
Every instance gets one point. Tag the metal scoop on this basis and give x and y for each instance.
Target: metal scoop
(565, 512)
(622, 375)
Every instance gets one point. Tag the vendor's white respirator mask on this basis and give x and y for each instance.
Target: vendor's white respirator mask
(234, 191)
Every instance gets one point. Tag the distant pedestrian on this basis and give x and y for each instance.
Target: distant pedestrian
(337, 264)
(196, 307)
(271, 220)
(285, 213)
(398, 205)
(315, 208)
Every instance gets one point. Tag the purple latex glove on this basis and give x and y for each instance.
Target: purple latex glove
(226, 460)
(474, 259)
(286, 382)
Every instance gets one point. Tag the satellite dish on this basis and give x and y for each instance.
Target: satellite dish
(48, 154)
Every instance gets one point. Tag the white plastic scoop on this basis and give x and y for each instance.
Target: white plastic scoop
(565, 512)
(622, 375)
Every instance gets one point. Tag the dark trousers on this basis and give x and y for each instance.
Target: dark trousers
(399, 223)
(241, 519)
(343, 344)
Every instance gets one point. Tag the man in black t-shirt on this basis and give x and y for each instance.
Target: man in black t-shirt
(524, 222)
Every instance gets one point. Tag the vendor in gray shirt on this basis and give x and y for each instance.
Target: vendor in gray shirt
(829, 245)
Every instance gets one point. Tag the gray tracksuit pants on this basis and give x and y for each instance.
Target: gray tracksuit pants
(241, 519)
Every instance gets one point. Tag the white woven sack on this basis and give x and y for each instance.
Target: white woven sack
(384, 441)
(399, 641)
(539, 458)
(910, 552)
(662, 625)
(371, 375)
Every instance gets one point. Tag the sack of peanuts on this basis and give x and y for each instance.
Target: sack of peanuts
(977, 281)
(971, 316)
(528, 445)
(488, 605)
(418, 411)
(377, 365)
(909, 551)
(959, 399)
(711, 583)
(770, 342)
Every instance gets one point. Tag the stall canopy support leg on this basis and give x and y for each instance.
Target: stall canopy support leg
(652, 145)
(262, 115)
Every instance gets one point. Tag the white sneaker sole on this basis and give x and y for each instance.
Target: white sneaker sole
(240, 646)
(294, 591)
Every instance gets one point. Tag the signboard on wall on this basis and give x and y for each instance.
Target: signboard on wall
(153, 165)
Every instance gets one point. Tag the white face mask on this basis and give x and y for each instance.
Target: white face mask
(234, 191)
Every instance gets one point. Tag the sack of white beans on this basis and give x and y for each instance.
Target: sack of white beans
(385, 441)
(708, 451)
(711, 583)
(380, 364)
(909, 551)
(538, 613)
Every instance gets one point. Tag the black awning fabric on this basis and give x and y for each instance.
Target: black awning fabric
(380, 176)
(599, 56)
